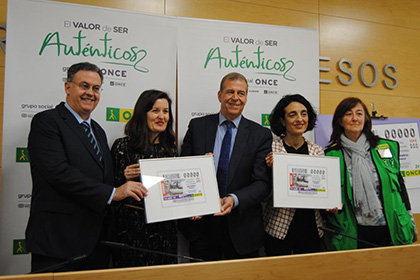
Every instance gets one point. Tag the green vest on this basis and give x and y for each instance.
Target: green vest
(398, 219)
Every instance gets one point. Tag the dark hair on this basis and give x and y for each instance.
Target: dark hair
(137, 129)
(86, 66)
(232, 77)
(337, 129)
(278, 113)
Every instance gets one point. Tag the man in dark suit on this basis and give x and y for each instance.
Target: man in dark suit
(244, 180)
(72, 177)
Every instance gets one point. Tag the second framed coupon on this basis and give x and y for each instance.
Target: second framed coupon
(303, 181)
(181, 187)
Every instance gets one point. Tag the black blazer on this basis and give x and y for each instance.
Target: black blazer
(249, 178)
(70, 186)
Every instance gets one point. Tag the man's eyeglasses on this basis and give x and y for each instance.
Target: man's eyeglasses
(86, 86)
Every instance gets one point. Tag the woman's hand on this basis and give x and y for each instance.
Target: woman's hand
(332, 210)
(132, 171)
(269, 159)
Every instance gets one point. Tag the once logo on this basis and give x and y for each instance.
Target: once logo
(22, 155)
(118, 114)
(19, 247)
(265, 119)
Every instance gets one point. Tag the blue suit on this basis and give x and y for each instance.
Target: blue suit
(249, 179)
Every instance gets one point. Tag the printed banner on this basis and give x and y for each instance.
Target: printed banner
(407, 135)
(135, 52)
(276, 61)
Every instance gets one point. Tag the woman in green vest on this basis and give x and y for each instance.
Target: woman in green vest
(376, 207)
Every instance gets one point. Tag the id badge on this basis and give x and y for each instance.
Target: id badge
(385, 153)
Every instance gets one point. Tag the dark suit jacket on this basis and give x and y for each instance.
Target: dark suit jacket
(249, 178)
(70, 186)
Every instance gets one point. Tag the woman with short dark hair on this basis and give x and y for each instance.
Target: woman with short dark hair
(290, 230)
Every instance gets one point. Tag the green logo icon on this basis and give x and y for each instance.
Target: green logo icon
(19, 247)
(112, 114)
(22, 155)
(118, 114)
(265, 119)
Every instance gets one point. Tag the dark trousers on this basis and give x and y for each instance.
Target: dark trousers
(98, 259)
(378, 235)
(215, 243)
(302, 236)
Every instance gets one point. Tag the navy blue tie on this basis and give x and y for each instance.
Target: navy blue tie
(223, 166)
(86, 128)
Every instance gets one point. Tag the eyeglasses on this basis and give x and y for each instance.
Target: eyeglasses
(86, 86)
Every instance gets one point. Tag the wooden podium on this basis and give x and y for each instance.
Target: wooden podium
(399, 262)
(385, 263)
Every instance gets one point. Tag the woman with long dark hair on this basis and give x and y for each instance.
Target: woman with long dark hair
(149, 134)
(376, 208)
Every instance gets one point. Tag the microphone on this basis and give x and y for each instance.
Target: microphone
(128, 247)
(55, 267)
(347, 236)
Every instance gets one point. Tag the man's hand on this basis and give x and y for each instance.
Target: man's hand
(134, 189)
(227, 205)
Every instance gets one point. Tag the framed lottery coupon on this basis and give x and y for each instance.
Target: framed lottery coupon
(303, 181)
(179, 187)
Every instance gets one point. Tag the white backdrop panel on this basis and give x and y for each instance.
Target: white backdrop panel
(135, 51)
(276, 60)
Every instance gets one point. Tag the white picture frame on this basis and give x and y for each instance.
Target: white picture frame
(186, 187)
(303, 181)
